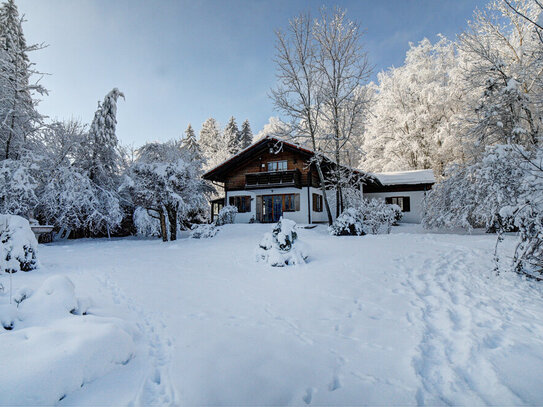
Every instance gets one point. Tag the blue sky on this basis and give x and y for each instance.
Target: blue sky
(184, 61)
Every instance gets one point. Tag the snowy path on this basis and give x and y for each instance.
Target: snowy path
(407, 319)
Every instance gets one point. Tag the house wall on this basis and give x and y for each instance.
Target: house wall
(416, 198)
(300, 216)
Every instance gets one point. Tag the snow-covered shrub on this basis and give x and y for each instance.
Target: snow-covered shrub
(473, 196)
(281, 247)
(18, 245)
(145, 224)
(226, 215)
(204, 231)
(371, 217)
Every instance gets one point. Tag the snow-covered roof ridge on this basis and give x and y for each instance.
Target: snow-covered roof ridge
(406, 177)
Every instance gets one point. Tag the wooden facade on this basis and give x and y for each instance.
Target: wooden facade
(272, 178)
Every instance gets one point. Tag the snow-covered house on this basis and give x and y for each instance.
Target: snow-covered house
(273, 178)
(403, 188)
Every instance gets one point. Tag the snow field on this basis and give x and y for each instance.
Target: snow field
(406, 318)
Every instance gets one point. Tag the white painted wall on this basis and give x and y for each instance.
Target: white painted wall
(298, 216)
(416, 198)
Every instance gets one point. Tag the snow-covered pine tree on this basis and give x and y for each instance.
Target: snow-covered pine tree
(100, 159)
(18, 116)
(245, 135)
(104, 158)
(214, 146)
(190, 144)
(232, 136)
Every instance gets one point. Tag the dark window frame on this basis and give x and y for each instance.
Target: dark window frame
(242, 202)
(275, 166)
(317, 203)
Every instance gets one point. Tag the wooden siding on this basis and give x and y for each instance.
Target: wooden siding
(235, 180)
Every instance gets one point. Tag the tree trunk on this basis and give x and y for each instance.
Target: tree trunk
(163, 230)
(323, 189)
(172, 218)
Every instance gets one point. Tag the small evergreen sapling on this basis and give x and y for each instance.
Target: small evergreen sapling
(18, 245)
(281, 247)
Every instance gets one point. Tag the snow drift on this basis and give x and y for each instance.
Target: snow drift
(51, 345)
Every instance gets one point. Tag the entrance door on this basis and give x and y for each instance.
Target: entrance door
(272, 208)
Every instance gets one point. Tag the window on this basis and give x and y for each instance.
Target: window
(289, 203)
(277, 166)
(243, 203)
(402, 201)
(317, 203)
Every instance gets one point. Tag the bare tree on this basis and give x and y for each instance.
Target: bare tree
(298, 93)
(342, 69)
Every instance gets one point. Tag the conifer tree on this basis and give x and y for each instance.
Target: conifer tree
(232, 136)
(214, 146)
(102, 142)
(18, 115)
(246, 135)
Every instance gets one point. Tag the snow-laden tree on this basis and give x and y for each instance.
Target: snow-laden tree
(103, 159)
(245, 135)
(165, 182)
(415, 120)
(214, 146)
(473, 195)
(19, 119)
(99, 158)
(503, 62)
(277, 128)
(190, 144)
(19, 183)
(232, 135)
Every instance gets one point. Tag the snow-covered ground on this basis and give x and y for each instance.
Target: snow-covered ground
(407, 318)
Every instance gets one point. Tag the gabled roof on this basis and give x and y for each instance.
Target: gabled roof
(406, 177)
(219, 172)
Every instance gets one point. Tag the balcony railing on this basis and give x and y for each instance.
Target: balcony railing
(289, 178)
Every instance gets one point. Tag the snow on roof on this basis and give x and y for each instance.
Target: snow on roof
(406, 177)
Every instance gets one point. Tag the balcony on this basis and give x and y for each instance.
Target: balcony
(289, 178)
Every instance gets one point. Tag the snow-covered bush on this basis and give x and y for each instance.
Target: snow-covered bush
(18, 245)
(226, 215)
(281, 247)
(145, 224)
(204, 231)
(371, 217)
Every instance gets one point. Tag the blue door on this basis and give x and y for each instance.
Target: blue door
(272, 208)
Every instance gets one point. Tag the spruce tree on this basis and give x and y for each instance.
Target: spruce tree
(214, 145)
(190, 146)
(246, 135)
(103, 144)
(232, 136)
(18, 115)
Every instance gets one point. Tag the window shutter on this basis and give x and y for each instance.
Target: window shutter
(297, 201)
(259, 208)
(388, 200)
(231, 201)
(314, 206)
(406, 204)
